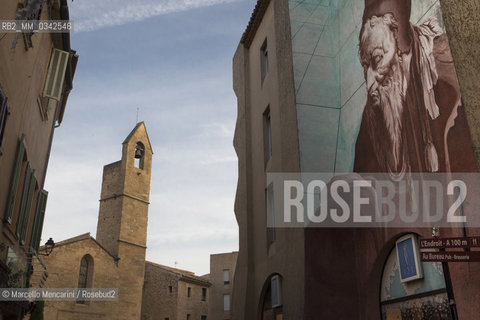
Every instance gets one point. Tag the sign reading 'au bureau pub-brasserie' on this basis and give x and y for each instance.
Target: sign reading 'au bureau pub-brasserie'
(450, 256)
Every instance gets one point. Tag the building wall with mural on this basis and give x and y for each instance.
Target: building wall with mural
(328, 77)
(344, 105)
(329, 80)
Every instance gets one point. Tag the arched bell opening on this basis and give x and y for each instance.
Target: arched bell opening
(139, 155)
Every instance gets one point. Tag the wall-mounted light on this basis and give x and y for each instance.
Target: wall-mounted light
(49, 246)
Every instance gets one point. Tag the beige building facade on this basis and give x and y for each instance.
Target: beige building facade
(265, 141)
(32, 105)
(222, 273)
(301, 91)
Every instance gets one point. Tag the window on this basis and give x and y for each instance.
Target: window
(189, 292)
(34, 12)
(22, 169)
(45, 105)
(188, 316)
(431, 294)
(267, 135)
(4, 112)
(270, 209)
(82, 278)
(204, 294)
(56, 74)
(170, 290)
(264, 59)
(29, 185)
(38, 222)
(226, 276)
(85, 274)
(226, 302)
(14, 181)
(276, 291)
(271, 299)
(203, 318)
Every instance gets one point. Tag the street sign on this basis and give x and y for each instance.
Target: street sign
(463, 242)
(450, 256)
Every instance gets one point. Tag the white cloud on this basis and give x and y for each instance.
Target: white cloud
(89, 15)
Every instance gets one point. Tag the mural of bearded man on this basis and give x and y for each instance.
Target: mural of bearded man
(412, 121)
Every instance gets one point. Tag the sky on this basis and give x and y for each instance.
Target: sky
(172, 61)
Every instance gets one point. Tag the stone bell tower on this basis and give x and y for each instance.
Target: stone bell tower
(123, 217)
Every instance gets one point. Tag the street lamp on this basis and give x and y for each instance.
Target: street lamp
(49, 245)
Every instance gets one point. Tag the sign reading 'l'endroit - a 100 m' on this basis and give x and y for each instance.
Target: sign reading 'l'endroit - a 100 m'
(463, 242)
(450, 256)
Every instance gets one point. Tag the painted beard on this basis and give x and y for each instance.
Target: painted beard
(384, 114)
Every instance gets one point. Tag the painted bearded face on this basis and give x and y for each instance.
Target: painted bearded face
(383, 75)
(378, 53)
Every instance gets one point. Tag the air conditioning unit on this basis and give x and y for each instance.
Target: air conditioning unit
(56, 74)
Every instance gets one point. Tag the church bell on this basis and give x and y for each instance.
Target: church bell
(139, 152)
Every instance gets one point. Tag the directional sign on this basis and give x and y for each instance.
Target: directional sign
(450, 256)
(464, 242)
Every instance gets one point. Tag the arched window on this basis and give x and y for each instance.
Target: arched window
(271, 299)
(85, 274)
(423, 297)
(139, 155)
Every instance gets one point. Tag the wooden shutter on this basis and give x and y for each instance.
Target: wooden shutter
(28, 207)
(39, 217)
(26, 203)
(14, 182)
(56, 74)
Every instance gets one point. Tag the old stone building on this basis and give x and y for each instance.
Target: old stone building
(222, 273)
(36, 74)
(309, 87)
(170, 293)
(115, 258)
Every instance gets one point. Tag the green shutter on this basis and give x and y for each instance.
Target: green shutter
(24, 201)
(28, 207)
(14, 182)
(38, 222)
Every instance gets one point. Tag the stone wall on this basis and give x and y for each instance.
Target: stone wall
(193, 304)
(63, 267)
(161, 302)
(158, 302)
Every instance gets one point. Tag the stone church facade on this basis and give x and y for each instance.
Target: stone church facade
(116, 257)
